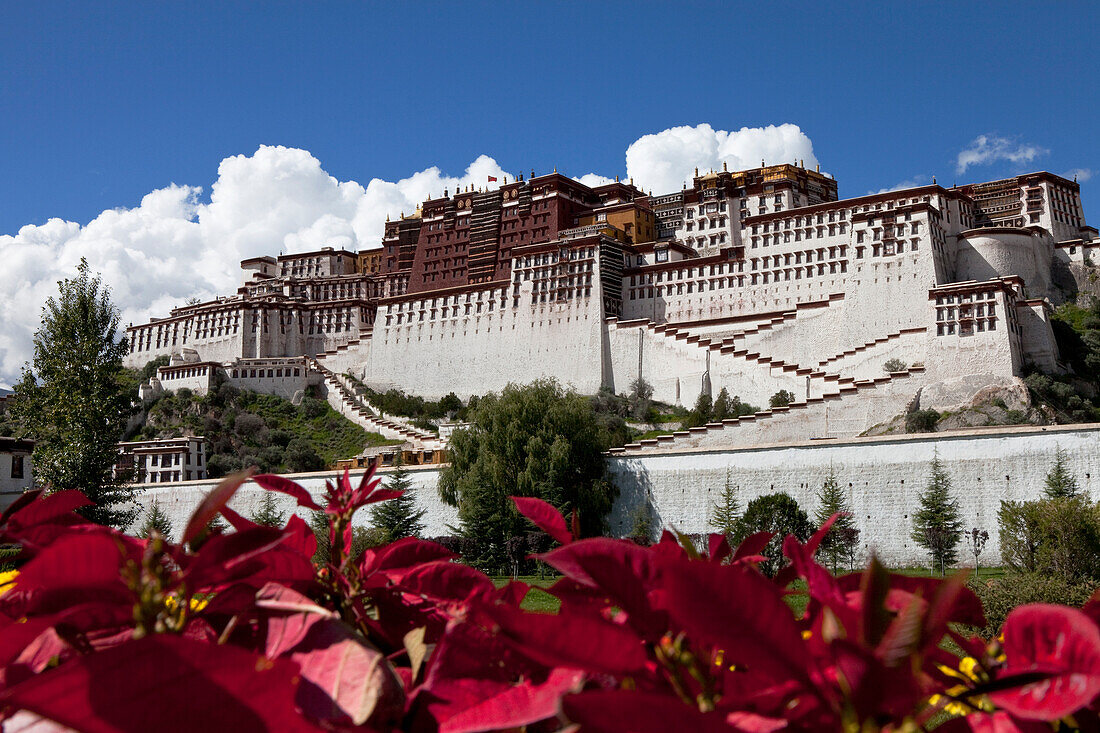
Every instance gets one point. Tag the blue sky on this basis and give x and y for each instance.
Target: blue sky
(102, 103)
(166, 141)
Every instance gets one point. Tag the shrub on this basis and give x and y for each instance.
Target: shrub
(300, 456)
(219, 465)
(782, 398)
(1000, 595)
(894, 365)
(1052, 536)
(921, 421)
(312, 408)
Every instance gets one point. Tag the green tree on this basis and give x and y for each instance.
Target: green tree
(779, 514)
(843, 538)
(269, 514)
(155, 519)
(1060, 482)
(937, 526)
(725, 513)
(641, 525)
(700, 414)
(397, 518)
(723, 406)
(74, 402)
(640, 399)
(782, 398)
(535, 440)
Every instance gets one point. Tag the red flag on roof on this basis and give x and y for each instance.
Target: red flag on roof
(492, 179)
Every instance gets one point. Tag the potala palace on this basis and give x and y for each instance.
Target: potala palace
(754, 281)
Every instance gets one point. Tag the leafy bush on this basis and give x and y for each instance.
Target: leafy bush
(1000, 596)
(921, 421)
(782, 398)
(1052, 536)
(401, 637)
(894, 365)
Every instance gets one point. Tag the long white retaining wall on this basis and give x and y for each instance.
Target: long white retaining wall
(883, 476)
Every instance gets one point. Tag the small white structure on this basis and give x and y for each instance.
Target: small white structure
(163, 461)
(15, 469)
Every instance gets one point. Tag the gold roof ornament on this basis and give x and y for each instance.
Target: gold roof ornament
(696, 171)
(725, 168)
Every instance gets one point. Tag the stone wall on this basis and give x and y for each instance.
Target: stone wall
(884, 477)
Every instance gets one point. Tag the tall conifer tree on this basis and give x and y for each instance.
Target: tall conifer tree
(842, 539)
(937, 526)
(399, 517)
(73, 402)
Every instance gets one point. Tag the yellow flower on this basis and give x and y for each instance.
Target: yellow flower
(7, 580)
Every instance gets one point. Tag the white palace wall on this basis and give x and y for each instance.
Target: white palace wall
(884, 477)
(475, 354)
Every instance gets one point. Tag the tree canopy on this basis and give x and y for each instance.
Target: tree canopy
(842, 540)
(535, 440)
(397, 518)
(779, 514)
(937, 526)
(73, 401)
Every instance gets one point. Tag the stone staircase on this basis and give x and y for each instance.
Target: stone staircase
(871, 344)
(344, 400)
(728, 346)
(798, 414)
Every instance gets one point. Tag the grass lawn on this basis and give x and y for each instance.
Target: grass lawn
(536, 600)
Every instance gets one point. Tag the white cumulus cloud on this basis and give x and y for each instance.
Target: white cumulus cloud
(1079, 174)
(664, 161)
(174, 245)
(987, 149)
(912, 182)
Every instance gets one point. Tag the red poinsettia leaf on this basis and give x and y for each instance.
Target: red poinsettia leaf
(815, 541)
(255, 555)
(282, 485)
(445, 581)
(618, 570)
(615, 711)
(75, 569)
(238, 522)
(577, 642)
(718, 547)
(278, 598)
(404, 553)
(144, 684)
(1062, 644)
(514, 707)
(212, 503)
(41, 509)
(345, 679)
(544, 516)
(998, 722)
(20, 503)
(754, 544)
(299, 537)
(702, 599)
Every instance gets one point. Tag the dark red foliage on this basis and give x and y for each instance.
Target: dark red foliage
(101, 631)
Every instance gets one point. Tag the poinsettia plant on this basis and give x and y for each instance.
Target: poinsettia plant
(239, 629)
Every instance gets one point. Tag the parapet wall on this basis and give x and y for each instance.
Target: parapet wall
(884, 477)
